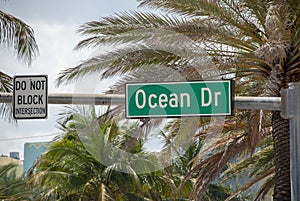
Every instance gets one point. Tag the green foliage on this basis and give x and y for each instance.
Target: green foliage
(84, 177)
(219, 193)
(70, 171)
(12, 187)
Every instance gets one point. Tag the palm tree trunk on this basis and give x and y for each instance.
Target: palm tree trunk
(282, 189)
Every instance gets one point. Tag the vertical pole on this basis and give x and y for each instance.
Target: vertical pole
(291, 110)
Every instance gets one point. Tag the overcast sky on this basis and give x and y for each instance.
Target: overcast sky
(55, 23)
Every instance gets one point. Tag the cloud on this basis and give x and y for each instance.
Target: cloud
(65, 11)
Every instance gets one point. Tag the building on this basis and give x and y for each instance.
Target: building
(32, 151)
(14, 155)
(5, 160)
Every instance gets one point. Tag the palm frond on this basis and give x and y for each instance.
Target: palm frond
(137, 26)
(126, 27)
(220, 158)
(5, 82)
(265, 188)
(15, 33)
(6, 112)
(187, 7)
(257, 8)
(228, 12)
(268, 173)
(118, 63)
(127, 21)
(6, 86)
(258, 163)
(13, 186)
(4, 170)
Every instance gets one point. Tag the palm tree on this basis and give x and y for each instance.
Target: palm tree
(254, 41)
(85, 178)
(71, 160)
(68, 160)
(18, 35)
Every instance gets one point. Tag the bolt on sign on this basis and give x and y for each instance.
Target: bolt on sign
(179, 99)
(30, 97)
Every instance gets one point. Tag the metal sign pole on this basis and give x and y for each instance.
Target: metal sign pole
(240, 102)
(76, 99)
(291, 111)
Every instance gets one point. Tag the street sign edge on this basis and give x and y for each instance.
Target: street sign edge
(231, 103)
(13, 101)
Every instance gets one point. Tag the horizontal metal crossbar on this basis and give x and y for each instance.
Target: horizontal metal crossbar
(257, 103)
(240, 102)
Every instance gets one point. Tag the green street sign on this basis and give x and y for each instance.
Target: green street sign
(179, 99)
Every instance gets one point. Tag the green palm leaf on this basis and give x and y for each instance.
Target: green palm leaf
(13, 186)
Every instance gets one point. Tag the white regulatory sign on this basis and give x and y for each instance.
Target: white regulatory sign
(30, 97)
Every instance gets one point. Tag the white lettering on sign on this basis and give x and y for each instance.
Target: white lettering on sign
(206, 97)
(218, 93)
(203, 103)
(163, 98)
(162, 101)
(30, 97)
(143, 99)
(150, 101)
(188, 99)
(173, 100)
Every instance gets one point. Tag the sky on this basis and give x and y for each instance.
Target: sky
(54, 23)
